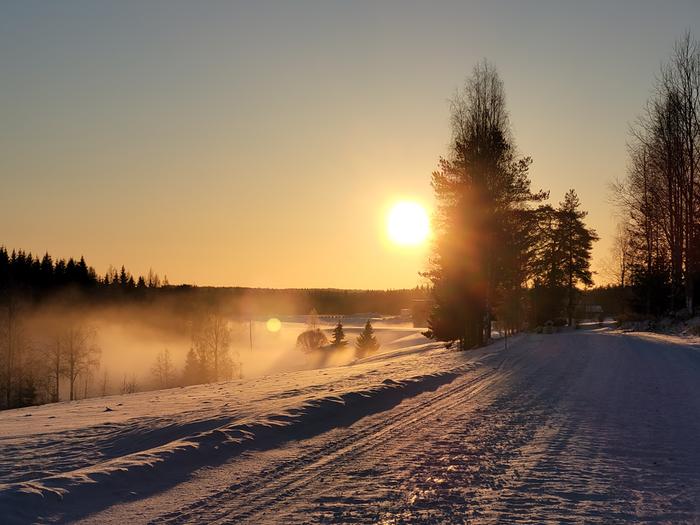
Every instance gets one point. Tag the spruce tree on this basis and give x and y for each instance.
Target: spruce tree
(82, 273)
(4, 269)
(59, 272)
(46, 272)
(123, 277)
(366, 342)
(338, 336)
(71, 271)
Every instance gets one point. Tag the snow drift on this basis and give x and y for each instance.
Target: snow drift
(121, 446)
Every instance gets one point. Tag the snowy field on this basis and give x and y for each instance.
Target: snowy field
(591, 426)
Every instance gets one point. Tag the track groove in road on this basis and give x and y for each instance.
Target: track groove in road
(578, 427)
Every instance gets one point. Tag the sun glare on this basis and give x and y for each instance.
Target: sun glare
(273, 324)
(408, 223)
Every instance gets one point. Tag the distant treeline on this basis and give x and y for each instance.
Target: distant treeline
(27, 277)
(24, 272)
(49, 348)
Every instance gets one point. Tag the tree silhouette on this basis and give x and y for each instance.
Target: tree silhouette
(366, 342)
(81, 354)
(54, 353)
(481, 188)
(311, 339)
(658, 199)
(576, 243)
(163, 369)
(211, 340)
(338, 340)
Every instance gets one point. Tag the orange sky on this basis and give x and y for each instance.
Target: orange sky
(261, 145)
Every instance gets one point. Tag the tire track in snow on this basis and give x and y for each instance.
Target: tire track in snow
(565, 428)
(267, 490)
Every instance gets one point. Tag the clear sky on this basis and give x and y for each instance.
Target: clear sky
(261, 143)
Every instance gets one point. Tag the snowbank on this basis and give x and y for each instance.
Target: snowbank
(119, 446)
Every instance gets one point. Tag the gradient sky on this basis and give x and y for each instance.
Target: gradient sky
(261, 143)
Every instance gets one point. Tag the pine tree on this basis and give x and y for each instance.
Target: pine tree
(560, 260)
(480, 188)
(576, 241)
(338, 340)
(548, 289)
(366, 342)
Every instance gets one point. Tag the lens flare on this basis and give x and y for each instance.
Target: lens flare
(408, 223)
(273, 325)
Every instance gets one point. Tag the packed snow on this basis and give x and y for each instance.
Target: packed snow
(592, 426)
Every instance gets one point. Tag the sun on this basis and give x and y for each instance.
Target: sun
(273, 325)
(408, 223)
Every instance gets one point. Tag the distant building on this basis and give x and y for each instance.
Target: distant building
(589, 311)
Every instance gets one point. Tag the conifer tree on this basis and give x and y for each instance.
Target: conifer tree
(366, 342)
(338, 340)
(46, 272)
(481, 188)
(123, 277)
(548, 290)
(576, 241)
(561, 258)
(82, 273)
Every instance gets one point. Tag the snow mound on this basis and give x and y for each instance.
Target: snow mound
(150, 440)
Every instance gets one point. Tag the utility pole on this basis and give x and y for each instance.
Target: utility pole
(250, 327)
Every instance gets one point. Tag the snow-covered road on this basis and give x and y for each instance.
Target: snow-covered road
(578, 427)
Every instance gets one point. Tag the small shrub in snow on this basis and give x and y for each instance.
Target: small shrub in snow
(312, 339)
